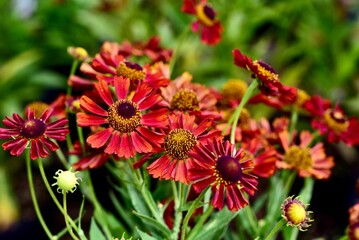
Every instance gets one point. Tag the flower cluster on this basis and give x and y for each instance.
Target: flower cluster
(130, 110)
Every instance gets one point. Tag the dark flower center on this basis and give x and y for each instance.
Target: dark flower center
(179, 142)
(336, 120)
(131, 70)
(124, 116)
(228, 169)
(185, 100)
(299, 158)
(205, 14)
(32, 129)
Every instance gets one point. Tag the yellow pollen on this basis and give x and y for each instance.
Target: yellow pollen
(299, 158)
(244, 119)
(296, 213)
(37, 106)
(271, 76)
(179, 142)
(130, 73)
(185, 100)
(356, 233)
(202, 16)
(302, 96)
(234, 89)
(336, 121)
(124, 116)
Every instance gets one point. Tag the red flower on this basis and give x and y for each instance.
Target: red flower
(308, 161)
(332, 121)
(264, 158)
(34, 131)
(219, 165)
(94, 158)
(126, 119)
(206, 22)
(188, 97)
(269, 80)
(182, 136)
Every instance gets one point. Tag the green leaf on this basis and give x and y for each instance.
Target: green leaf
(145, 236)
(220, 221)
(95, 232)
(154, 223)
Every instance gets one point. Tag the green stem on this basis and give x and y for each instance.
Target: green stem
(52, 194)
(66, 216)
(191, 210)
(75, 63)
(81, 139)
(238, 110)
(98, 207)
(200, 222)
(178, 213)
(293, 122)
(276, 228)
(33, 197)
(176, 50)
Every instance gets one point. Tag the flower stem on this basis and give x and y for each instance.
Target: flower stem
(200, 222)
(49, 189)
(66, 216)
(178, 212)
(293, 122)
(276, 228)
(33, 197)
(235, 116)
(75, 63)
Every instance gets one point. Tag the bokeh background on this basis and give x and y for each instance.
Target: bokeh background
(312, 44)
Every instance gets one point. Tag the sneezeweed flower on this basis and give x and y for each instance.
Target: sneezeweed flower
(66, 181)
(263, 157)
(181, 137)
(295, 213)
(269, 83)
(94, 157)
(307, 161)
(188, 97)
(233, 91)
(34, 132)
(226, 169)
(332, 121)
(126, 120)
(206, 23)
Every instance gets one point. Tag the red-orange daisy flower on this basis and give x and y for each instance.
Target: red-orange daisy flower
(332, 121)
(219, 165)
(269, 79)
(307, 161)
(206, 23)
(182, 136)
(93, 158)
(34, 131)
(264, 158)
(126, 119)
(188, 97)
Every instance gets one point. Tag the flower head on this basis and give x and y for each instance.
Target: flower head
(308, 161)
(126, 120)
(182, 136)
(35, 132)
(294, 212)
(332, 121)
(66, 181)
(219, 165)
(206, 22)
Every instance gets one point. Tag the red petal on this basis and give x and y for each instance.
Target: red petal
(100, 138)
(121, 86)
(104, 92)
(90, 106)
(85, 120)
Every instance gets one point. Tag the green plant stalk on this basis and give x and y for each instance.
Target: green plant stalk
(235, 116)
(293, 122)
(200, 222)
(33, 197)
(74, 65)
(66, 216)
(178, 212)
(191, 211)
(98, 207)
(81, 139)
(251, 218)
(52, 194)
(178, 46)
(276, 228)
